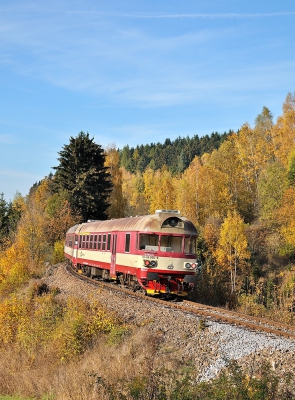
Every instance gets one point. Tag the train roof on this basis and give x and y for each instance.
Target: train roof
(167, 220)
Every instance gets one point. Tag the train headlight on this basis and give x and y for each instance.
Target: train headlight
(150, 263)
(190, 265)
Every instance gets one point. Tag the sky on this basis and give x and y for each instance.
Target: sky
(134, 72)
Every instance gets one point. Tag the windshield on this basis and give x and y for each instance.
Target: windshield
(190, 245)
(148, 242)
(171, 243)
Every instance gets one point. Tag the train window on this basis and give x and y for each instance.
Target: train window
(103, 244)
(86, 241)
(171, 243)
(109, 241)
(80, 244)
(90, 241)
(99, 242)
(190, 245)
(94, 242)
(76, 239)
(127, 243)
(148, 242)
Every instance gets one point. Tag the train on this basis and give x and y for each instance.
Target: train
(154, 253)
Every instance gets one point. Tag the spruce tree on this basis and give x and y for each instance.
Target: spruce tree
(3, 217)
(82, 174)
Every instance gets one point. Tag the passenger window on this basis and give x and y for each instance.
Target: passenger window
(94, 242)
(109, 241)
(127, 243)
(103, 245)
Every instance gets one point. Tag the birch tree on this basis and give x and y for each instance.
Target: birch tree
(232, 247)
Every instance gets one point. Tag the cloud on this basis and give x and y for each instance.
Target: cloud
(184, 15)
(91, 52)
(6, 138)
(14, 174)
(146, 15)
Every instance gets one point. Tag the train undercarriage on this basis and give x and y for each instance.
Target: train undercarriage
(155, 284)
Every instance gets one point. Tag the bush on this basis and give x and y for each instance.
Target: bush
(58, 252)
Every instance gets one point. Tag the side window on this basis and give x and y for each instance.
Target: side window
(190, 245)
(94, 242)
(99, 243)
(127, 243)
(109, 241)
(80, 242)
(103, 244)
(90, 241)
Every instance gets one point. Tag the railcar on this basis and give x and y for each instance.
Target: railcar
(155, 253)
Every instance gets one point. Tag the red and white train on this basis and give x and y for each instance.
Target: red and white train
(156, 253)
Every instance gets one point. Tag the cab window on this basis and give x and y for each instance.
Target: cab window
(190, 245)
(148, 241)
(171, 243)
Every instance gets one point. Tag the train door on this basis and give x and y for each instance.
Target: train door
(113, 256)
(76, 249)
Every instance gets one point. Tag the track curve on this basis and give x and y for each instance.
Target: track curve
(209, 313)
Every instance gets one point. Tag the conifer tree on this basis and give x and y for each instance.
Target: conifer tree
(83, 175)
(3, 217)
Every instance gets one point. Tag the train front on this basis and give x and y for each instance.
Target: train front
(168, 261)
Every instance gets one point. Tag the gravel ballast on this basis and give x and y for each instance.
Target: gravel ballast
(209, 344)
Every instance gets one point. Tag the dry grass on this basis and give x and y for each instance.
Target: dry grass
(97, 373)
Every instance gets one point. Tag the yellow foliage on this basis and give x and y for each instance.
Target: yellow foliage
(161, 191)
(42, 193)
(232, 251)
(284, 132)
(12, 312)
(40, 322)
(81, 321)
(135, 201)
(211, 234)
(286, 216)
(13, 267)
(58, 252)
(248, 305)
(116, 200)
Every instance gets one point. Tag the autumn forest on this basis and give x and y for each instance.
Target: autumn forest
(237, 187)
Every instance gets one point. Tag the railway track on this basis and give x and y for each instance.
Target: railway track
(208, 314)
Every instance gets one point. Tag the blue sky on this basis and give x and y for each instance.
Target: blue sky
(134, 72)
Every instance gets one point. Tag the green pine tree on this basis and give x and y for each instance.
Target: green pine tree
(82, 174)
(3, 217)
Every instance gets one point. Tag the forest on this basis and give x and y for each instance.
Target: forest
(238, 188)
